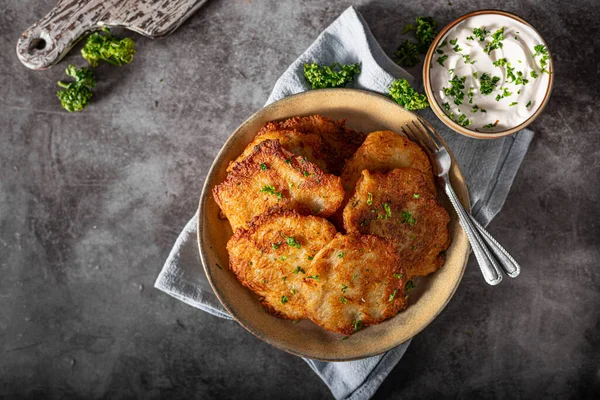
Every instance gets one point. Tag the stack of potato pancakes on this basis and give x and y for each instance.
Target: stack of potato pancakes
(330, 224)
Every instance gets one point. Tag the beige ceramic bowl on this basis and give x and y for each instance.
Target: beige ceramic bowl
(437, 108)
(363, 111)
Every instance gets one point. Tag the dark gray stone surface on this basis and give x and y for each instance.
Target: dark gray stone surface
(90, 204)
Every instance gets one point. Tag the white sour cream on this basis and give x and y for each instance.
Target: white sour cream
(509, 110)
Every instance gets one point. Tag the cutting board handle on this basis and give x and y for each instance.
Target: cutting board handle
(50, 39)
(46, 42)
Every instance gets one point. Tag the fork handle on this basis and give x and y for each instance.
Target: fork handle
(487, 263)
(506, 261)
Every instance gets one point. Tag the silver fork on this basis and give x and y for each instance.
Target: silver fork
(491, 256)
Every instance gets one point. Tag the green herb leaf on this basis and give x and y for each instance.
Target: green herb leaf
(284, 299)
(299, 269)
(341, 254)
(343, 300)
(496, 43)
(102, 46)
(263, 166)
(407, 54)
(335, 75)
(456, 89)
(292, 242)
(76, 94)
(315, 277)
(480, 33)
(392, 296)
(357, 324)
(399, 276)
(271, 190)
(409, 286)
(388, 211)
(441, 59)
(488, 84)
(408, 218)
(406, 96)
(528, 104)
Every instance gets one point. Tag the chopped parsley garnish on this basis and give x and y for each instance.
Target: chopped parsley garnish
(354, 277)
(467, 59)
(335, 75)
(480, 33)
(501, 62)
(284, 299)
(425, 32)
(416, 195)
(446, 106)
(492, 125)
(263, 166)
(275, 246)
(488, 84)
(399, 276)
(453, 42)
(343, 300)
(315, 277)
(514, 103)
(407, 54)
(409, 286)
(519, 80)
(288, 161)
(470, 95)
(392, 296)
(457, 49)
(293, 291)
(540, 49)
(450, 71)
(310, 258)
(504, 94)
(470, 38)
(341, 254)
(528, 104)
(357, 324)
(475, 108)
(462, 120)
(271, 189)
(475, 74)
(441, 60)
(370, 199)
(533, 74)
(292, 242)
(406, 96)
(344, 287)
(455, 90)
(408, 218)
(299, 269)
(496, 43)
(388, 210)
(283, 258)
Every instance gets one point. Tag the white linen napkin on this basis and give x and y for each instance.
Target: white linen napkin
(489, 167)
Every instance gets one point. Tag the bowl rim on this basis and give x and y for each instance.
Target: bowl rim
(437, 109)
(206, 193)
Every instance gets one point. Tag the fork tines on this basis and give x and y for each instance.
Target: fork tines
(423, 134)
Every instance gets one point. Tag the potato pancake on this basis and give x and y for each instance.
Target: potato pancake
(306, 145)
(354, 281)
(400, 206)
(272, 176)
(271, 257)
(340, 142)
(383, 151)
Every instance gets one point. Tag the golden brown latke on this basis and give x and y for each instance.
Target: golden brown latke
(271, 257)
(306, 145)
(272, 176)
(339, 142)
(382, 151)
(354, 281)
(400, 206)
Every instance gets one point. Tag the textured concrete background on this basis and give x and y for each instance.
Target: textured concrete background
(90, 204)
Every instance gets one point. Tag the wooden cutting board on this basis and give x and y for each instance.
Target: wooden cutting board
(46, 42)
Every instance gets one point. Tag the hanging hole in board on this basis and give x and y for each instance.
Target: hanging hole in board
(38, 44)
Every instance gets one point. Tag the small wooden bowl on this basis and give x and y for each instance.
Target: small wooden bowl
(363, 111)
(437, 108)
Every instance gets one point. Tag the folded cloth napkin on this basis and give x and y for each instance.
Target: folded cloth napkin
(488, 165)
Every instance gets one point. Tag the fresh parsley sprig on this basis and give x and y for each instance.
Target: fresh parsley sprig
(332, 76)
